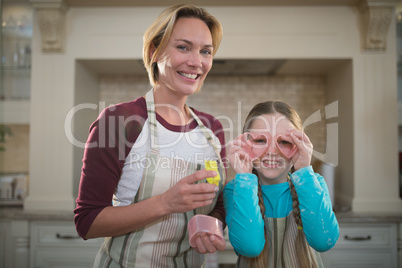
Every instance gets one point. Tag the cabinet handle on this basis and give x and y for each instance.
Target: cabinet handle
(358, 238)
(59, 236)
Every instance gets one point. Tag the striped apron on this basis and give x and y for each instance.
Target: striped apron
(281, 235)
(165, 242)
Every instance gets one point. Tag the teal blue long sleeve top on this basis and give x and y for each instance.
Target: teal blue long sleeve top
(246, 225)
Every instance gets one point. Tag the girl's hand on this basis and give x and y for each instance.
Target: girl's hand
(238, 158)
(209, 243)
(302, 157)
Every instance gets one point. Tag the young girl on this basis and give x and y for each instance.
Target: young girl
(277, 218)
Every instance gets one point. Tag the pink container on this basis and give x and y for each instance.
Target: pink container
(206, 224)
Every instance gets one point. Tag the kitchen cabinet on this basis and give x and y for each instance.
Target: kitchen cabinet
(4, 241)
(16, 39)
(15, 83)
(14, 243)
(15, 67)
(57, 245)
(364, 245)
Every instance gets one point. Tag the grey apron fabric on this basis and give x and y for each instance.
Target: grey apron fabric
(281, 235)
(165, 242)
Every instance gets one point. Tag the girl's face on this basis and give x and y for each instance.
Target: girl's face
(187, 59)
(272, 166)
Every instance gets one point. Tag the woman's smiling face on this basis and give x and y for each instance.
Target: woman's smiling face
(272, 167)
(187, 58)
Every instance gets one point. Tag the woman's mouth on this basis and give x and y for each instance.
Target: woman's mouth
(189, 76)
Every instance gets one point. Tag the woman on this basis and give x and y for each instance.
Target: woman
(151, 151)
(277, 218)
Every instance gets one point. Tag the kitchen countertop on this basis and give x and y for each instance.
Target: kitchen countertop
(353, 217)
(18, 213)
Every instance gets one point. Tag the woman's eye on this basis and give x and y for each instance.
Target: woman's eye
(206, 52)
(181, 47)
(284, 142)
(260, 141)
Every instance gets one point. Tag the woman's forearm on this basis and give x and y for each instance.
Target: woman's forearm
(117, 221)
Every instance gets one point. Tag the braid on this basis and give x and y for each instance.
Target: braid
(261, 201)
(295, 205)
(303, 251)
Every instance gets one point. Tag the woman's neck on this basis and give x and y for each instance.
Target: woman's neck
(172, 107)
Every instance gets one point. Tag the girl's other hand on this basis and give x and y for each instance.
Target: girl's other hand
(239, 159)
(302, 157)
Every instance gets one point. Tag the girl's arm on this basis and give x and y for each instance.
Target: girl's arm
(243, 215)
(319, 221)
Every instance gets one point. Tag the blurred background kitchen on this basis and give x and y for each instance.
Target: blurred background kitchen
(338, 62)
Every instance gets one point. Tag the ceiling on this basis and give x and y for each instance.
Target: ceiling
(109, 3)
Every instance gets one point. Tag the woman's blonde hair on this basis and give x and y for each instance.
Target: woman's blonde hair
(158, 34)
(304, 253)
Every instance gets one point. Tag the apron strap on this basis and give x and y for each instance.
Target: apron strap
(211, 142)
(149, 97)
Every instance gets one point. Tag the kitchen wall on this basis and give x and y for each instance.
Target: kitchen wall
(230, 98)
(365, 86)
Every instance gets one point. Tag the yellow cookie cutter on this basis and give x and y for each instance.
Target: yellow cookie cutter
(213, 165)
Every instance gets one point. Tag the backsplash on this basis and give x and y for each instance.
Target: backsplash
(14, 156)
(230, 98)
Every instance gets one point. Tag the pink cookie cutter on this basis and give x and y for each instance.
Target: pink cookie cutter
(257, 144)
(203, 223)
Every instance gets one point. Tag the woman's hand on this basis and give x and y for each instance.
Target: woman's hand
(302, 157)
(185, 195)
(208, 243)
(239, 159)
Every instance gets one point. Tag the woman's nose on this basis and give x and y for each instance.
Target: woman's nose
(195, 60)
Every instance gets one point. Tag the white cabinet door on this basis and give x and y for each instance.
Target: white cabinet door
(356, 259)
(57, 245)
(363, 245)
(4, 230)
(14, 243)
(59, 258)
